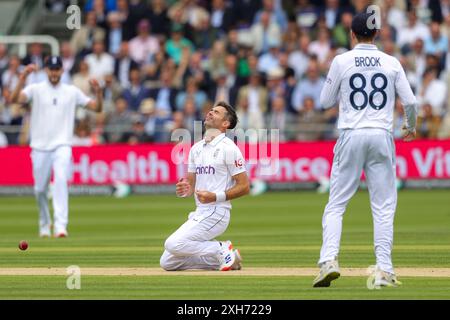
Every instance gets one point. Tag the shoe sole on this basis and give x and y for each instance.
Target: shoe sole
(325, 282)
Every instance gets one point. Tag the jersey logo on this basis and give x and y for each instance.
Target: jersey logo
(55, 101)
(205, 170)
(238, 163)
(216, 153)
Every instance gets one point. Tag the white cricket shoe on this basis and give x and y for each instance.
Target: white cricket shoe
(384, 279)
(227, 256)
(61, 233)
(329, 271)
(44, 231)
(237, 265)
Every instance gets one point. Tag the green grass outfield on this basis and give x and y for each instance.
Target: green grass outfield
(272, 231)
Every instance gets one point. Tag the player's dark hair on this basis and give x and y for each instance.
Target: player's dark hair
(231, 113)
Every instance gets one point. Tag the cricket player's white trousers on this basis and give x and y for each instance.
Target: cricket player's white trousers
(43, 162)
(373, 151)
(192, 246)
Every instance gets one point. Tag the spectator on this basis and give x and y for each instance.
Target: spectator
(428, 123)
(341, 32)
(416, 62)
(83, 39)
(196, 70)
(100, 63)
(158, 17)
(204, 36)
(433, 92)
(221, 89)
(114, 36)
(35, 56)
(270, 59)
(153, 69)
(311, 122)
(310, 86)
(245, 11)
(11, 76)
(263, 32)
(216, 59)
(299, 59)
(111, 91)
(81, 78)
(82, 134)
(306, 14)
(118, 122)
(99, 8)
(321, 47)
(252, 103)
(395, 17)
(189, 12)
(123, 63)
(144, 46)
(192, 92)
(175, 45)
(332, 13)
(436, 44)
(137, 134)
(164, 96)
(279, 119)
(68, 58)
(222, 17)
(414, 30)
(276, 14)
(135, 93)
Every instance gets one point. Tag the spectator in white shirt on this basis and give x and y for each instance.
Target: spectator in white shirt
(100, 63)
(414, 30)
(432, 91)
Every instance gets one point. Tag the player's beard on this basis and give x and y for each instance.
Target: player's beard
(54, 80)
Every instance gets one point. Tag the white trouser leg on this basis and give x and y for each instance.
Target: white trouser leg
(192, 245)
(61, 170)
(42, 164)
(345, 176)
(380, 173)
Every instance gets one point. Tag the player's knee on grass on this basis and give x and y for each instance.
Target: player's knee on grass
(175, 245)
(165, 262)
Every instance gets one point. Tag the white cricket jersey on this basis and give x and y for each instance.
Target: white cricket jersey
(53, 113)
(365, 81)
(214, 165)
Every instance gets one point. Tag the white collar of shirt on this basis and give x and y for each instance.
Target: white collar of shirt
(366, 46)
(51, 86)
(214, 141)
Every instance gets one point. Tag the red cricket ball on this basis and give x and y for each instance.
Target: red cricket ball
(23, 245)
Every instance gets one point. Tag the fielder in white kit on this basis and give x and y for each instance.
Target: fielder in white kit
(365, 81)
(216, 171)
(53, 106)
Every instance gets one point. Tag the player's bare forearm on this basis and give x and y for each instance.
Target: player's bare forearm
(241, 188)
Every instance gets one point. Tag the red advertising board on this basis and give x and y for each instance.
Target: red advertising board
(159, 164)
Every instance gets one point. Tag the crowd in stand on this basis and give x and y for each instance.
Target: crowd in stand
(163, 63)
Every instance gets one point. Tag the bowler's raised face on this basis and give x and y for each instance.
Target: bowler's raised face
(216, 118)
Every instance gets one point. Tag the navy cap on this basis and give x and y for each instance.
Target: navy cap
(362, 25)
(54, 62)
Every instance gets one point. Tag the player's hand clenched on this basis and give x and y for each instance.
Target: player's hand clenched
(183, 188)
(205, 196)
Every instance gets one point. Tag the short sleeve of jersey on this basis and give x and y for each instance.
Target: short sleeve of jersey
(234, 160)
(81, 98)
(191, 163)
(28, 91)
